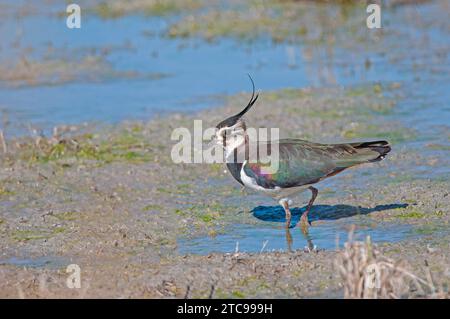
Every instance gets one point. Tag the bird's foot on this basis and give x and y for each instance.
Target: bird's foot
(310, 249)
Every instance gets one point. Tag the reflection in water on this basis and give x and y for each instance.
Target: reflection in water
(270, 233)
(318, 212)
(305, 232)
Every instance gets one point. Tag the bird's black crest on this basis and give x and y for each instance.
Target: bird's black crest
(233, 119)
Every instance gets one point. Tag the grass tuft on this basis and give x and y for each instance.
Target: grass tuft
(366, 273)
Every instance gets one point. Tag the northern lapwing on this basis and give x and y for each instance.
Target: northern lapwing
(301, 163)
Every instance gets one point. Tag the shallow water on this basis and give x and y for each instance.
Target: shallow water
(199, 72)
(272, 237)
(329, 230)
(39, 262)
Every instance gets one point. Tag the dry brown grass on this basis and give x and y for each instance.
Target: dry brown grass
(367, 274)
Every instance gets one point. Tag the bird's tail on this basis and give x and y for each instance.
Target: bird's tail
(364, 152)
(378, 148)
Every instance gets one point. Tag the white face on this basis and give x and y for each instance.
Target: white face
(231, 135)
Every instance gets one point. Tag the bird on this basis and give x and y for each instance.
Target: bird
(301, 163)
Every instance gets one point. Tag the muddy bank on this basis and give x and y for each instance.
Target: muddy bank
(267, 275)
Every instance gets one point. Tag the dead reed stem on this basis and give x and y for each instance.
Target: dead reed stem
(3, 142)
(366, 273)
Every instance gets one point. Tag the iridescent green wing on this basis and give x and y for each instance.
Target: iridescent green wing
(300, 163)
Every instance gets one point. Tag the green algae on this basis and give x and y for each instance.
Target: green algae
(152, 207)
(411, 215)
(36, 234)
(123, 146)
(393, 135)
(116, 9)
(67, 216)
(278, 20)
(5, 192)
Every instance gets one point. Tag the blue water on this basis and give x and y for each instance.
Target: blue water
(39, 262)
(272, 237)
(330, 228)
(199, 73)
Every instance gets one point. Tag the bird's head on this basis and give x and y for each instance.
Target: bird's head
(231, 131)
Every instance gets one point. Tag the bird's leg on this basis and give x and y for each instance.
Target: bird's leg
(305, 232)
(285, 204)
(289, 239)
(304, 218)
